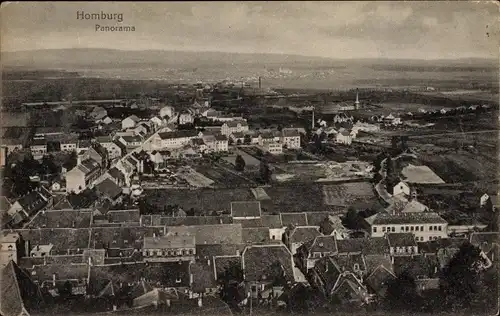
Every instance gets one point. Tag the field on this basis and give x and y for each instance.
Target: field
(325, 170)
(250, 161)
(359, 194)
(221, 176)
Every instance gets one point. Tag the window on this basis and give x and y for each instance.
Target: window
(393, 229)
(416, 228)
(411, 228)
(178, 280)
(356, 267)
(190, 251)
(402, 228)
(407, 228)
(430, 227)
(383, 229)
(439, 228)
(374, 229)
(421, 228)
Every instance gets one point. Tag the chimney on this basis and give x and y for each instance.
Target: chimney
(27, 248)
(260, 83)
(208, 262)
(53, 279)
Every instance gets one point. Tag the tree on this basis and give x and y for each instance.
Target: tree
(401, 293)
(459, 282)
(239, 163)
(265, 172)
(247, 139)
(351, 218)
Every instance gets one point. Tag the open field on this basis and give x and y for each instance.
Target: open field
(325, 170)
(220, 176)
(349, 194)
(250, 161)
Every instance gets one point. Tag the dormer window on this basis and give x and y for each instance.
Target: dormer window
(356, 267)
(178, 280)
(10, 247)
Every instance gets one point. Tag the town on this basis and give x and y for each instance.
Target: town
(182, 205)
(249, 158)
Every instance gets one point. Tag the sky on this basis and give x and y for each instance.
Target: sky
(344, 29)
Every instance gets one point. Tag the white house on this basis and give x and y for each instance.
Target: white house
(130, 122)
(175, 139)
(167, 111)
(344, 137)
(157, 122)
(113, 149)
(290, 138)
(69, 143)
(185, 118)
(272, 148)
(401, 188)
(234, 127)
(81, 177)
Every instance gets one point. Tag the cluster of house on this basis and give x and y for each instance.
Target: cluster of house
(96, 250)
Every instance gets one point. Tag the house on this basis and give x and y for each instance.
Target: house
(167, 111)
(266, 267)
(54, 277)
(130, 122)
(311, 251)
(28, 205)
(156, 122)
(379, 280)
(19, 291)
(425, 226)
(158, 159)
(365, 127)
(221, 143)
(98, 113)
(338, 284)
(38, 148)
(344, 137)
(234, 127)
(237, 138)
(106, 121)
(199, 144)
(108, 189)
(295, 237)
(402, 244)
(114, 150)
(246, 210)
(290, 138)
(141, 130)
(272, 148)
(401, 188)
(131, 141)
(68, 143)
(185, 118)
(176, 139)
(332, 225)
(169, 248)
(11, 248)
(413, 206)
(39, 251)
(82, 176)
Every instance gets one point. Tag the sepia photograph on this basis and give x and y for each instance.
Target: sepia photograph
(262, 158)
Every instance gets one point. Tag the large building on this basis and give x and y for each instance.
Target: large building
(174, 139)
(425, 226)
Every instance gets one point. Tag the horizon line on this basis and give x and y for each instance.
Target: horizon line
(246, 53)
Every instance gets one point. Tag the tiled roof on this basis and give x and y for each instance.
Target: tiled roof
(262, 262)
(271, 221)
(290, 133)
(195, 220)
(32, 202)
(169, 241)
(379, 279)
(303, 234)
(223, 263)
(17, 291)
(204, 252)
(324, 244)
(68, 218)
(297, 219)
(122, 237)
(89, 166)
(63, 239)
(246, 209)
(221, 137)
(432, 246)
(116, 174)
(62, 272)
(109, 189)
(124, 216)
(104, 139)
(372, 262)
(329, 271)
(134, 118)
(408, 218)
(256, 235)
(178, 134)
(416, 266)
(84, 199)
(203, 277)
(375, 245)
(212, 234)
(401, 240)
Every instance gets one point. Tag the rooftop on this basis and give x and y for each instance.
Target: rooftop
(406, 218)
(401, 240)
(267, 262)
(169, 241)
(256, 235)
(367, 246)
(109, 189)
(303, 234)
(178, 134)
(246, 209)
(212, 234)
